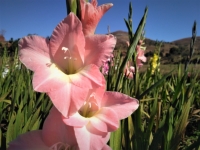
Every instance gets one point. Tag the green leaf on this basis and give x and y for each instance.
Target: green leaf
(181, 125)
(26, 126)
(9, 134)
(36, 125)
(116, 139)
(35, 118)
(19, 120)
(1, 135)
(6, 101)
(154, 85)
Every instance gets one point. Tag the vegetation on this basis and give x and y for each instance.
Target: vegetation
(21, 109)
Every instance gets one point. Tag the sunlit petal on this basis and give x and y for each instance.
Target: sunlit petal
(122, 104)
(91, 15)
(67, 43)
(99, 48)
(34, 52)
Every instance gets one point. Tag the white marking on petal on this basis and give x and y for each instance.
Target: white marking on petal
(48, 64)
(93, 94)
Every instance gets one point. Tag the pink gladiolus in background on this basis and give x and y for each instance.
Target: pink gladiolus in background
(91, 15)
(67, 66)
(129, 70)
(140, 54)
(102, 111)
(105, 68)
(140, 58)
(56, 135)
(105, 65)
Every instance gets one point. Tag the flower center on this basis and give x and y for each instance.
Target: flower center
(90, 107)
(70, 60)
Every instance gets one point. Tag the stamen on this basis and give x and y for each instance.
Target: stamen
(93, 95)
(90, 107)
(65, 49)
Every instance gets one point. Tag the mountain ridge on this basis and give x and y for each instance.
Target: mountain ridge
(174, 51)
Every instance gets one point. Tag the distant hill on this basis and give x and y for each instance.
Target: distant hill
(171, 52)
(2, 39)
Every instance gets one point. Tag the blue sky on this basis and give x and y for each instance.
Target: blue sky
(167, 20)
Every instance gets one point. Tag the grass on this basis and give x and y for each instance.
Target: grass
(169, 67)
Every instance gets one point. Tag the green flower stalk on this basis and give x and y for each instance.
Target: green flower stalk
(74, 6)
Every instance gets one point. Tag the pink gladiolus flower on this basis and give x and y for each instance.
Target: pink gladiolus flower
(140, 56)
(56, 135)
(129, 70)
(67, 66)
(91, 15)
(105, 65)
(105, 68)
(102, 111)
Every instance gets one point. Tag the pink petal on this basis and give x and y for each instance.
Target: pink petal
(106, 120)
(122, 104)
(88, 77)
(129, 74)
(128, 43)
(75, 120)
(143, 58)
(140, 54)
(91, 15)
(67, 92)
(98, 92)
(67, 43)
(88, 139)
(83, 138)
(29, 141)
(99, 48)
(139, 63)
(54, 130)
(34, 51)
(106, 147)
(68, 99)
(45, 76)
